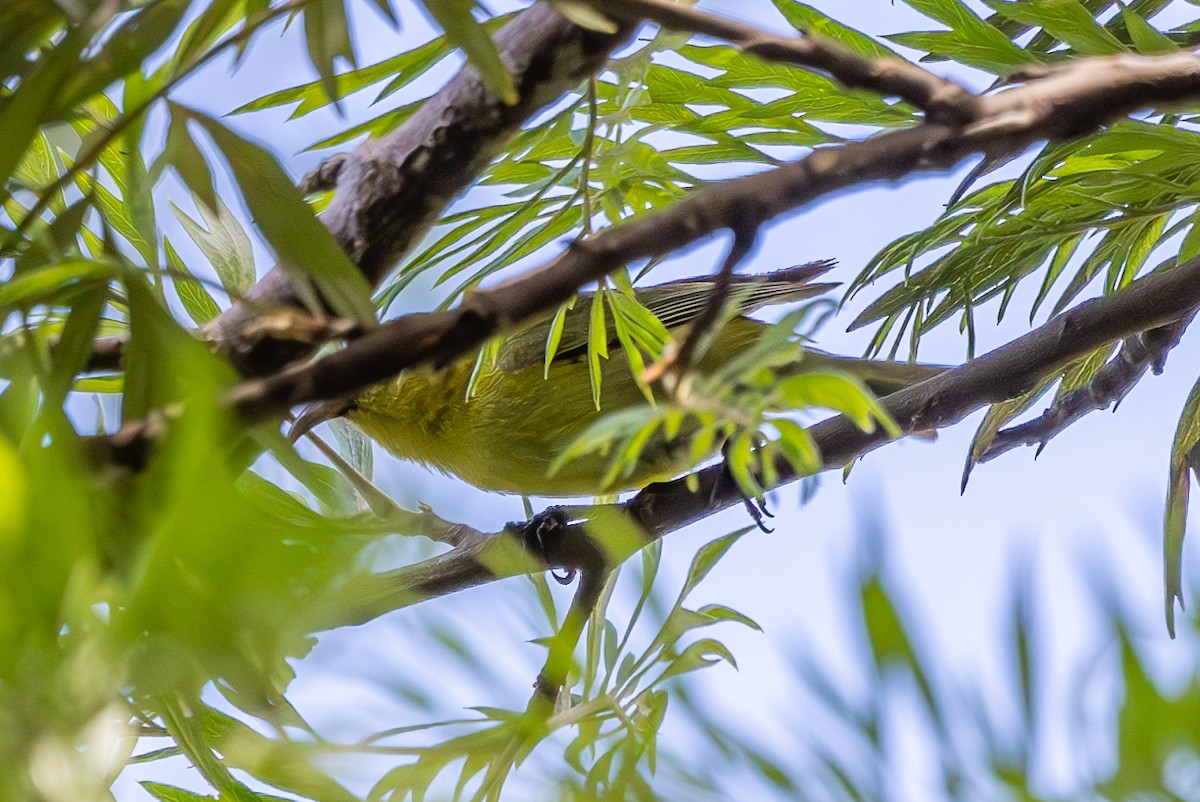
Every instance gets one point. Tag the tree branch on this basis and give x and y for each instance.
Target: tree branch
(1059, 103)
(1152, 302)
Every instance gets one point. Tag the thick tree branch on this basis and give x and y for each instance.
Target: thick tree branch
(1156, 301)
(1060, 103)
(392, 190)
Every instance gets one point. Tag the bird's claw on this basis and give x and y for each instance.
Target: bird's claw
(540, 535)
(757, 507)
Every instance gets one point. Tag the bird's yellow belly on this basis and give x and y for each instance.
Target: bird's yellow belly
(508, 435)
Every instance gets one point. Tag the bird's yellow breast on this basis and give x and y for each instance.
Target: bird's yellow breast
(516, 423)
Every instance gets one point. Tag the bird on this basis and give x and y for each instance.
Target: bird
(508, 431)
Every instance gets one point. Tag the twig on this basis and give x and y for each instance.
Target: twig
(422, 522)
(941, 99)
(744, 234)
(1112, 382)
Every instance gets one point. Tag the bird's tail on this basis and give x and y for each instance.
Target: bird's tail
(882, 376)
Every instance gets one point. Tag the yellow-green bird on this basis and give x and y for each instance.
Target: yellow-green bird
(521, 414)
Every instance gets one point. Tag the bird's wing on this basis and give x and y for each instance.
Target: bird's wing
(675, 304)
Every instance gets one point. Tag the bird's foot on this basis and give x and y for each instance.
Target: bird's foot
(543, 535)
(755, 505)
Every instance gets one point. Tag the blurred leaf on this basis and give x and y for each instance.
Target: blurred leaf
(196, 300)
(303, 245)
(455, 18)
(47, 283)
(355, 446)
(125, 51)
(188, 160)
(1185, 460)
(224, 243)
(30, 102)
(327, 33)
(168, 793)
(585, 15)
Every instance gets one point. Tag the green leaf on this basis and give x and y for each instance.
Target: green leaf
(461, 28)
(970, 32)
(376, 127)
(701, 654)
(196, 300)
(1184, 461)
(169, 793)
(998, 415)
(327, 33)
(1190, 248)
(224, 243)
(837, 391)
(797, 446)
(403, 69)
(1066, 20)
(707, 557)
(116, 212)
(304, 246)
(554, 337)
(998, 58)
(806, 19)
(597, 347)
(29, 103)
(720, 612)
(1145, 37)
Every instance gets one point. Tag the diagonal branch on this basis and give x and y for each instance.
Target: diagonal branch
(1059, 103)
(1156, 301)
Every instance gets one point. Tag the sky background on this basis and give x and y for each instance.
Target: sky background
(1088, 510)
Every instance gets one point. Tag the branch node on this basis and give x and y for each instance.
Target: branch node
(325, 176)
